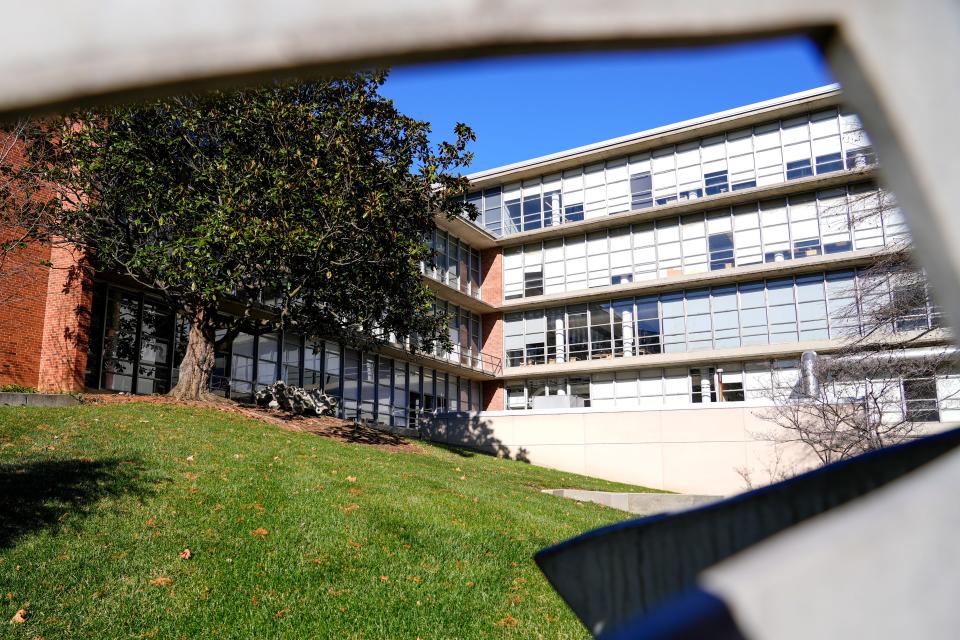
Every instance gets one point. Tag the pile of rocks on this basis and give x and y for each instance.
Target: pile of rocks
(296, 400)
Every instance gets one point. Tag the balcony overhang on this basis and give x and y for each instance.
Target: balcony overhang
(690, 358)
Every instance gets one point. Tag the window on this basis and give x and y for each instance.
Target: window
(641, 190)
(516, 396)
(534, 337)
(730, 383)
(673, 326)
(290, 367)
(513, 338)
(368, 383)
(531, 212)
(384, 389)
(400, 397)
(701, 385)
(720, 245)
(621, 256)
(513, 273)
(699, 325)
(648, 326)
(313, 366)
(514, 217)
(783, 310)
(601, 345)
(577, 332)
(861, 158)
(920, 400)
(829, 162)
(532, 270)
(799, 169)
(580, 388)
(351, 383)
(267, 353)
(156, 332)
(491, 211)
(716, 182)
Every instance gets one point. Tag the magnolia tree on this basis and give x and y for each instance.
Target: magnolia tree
(880, 386)
(300, 205)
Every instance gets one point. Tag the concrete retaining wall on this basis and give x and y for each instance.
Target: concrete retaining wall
(638, 503)
(699, 450)
(36, 399)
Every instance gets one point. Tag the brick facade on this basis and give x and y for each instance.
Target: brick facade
(491, 291)
(492, 325)
(66, 323)
(491, 275)
(23, 302)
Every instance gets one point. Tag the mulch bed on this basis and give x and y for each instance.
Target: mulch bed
(325, 426)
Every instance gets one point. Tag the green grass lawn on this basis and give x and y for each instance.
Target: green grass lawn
(292, 535)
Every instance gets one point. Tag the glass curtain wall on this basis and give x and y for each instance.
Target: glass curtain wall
(779, 310)
(825, 222)
(814, 144)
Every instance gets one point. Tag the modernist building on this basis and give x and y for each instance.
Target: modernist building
(617, 309)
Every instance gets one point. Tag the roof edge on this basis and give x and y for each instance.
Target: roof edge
(598, 147)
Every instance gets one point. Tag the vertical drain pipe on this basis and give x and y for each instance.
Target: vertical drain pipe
(808, 375)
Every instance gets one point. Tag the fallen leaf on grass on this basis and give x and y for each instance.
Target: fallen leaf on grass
(355, 545)
(281, 613)
(259, 532)
(347, 508)
(355, 491)
(507, 621)
(162, 581)
(415, 579)
(351, 479)
(19, 617)
(186, 554)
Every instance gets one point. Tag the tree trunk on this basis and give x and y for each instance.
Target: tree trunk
(198, 363)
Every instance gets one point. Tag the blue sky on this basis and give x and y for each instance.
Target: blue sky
(522, 107)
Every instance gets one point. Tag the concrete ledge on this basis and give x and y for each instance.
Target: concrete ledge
(638, 503)
(37, 399)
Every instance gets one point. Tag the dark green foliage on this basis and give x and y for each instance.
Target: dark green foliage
(303, 205)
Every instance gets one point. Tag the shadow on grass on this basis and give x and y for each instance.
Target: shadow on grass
(47, 494)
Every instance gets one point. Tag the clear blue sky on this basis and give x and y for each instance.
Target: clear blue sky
(522, 107)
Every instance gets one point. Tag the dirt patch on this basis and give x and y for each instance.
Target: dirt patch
(335, 428)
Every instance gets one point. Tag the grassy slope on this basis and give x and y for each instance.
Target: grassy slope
(96, 501)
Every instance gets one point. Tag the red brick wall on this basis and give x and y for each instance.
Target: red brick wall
(491, 275)
(492, 325)
(66, 324)
(493, 395)
(23, 298)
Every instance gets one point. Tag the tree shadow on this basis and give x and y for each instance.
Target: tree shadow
(467, 434)
(48, 494)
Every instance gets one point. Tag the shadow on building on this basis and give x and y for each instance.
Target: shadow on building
(50, 494)
(467, 433)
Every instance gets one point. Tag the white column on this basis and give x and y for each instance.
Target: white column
(561, 340)
(627, 333)
(705, 383)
